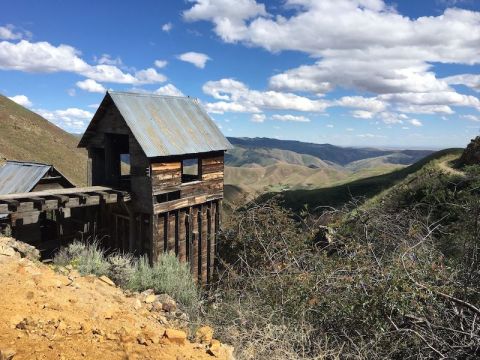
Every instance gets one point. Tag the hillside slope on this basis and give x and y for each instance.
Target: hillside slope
(27, 136)
(366, 187)
(327, 152)
(48, 315)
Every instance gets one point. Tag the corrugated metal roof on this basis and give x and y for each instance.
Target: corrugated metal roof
(20, 177)
(168, 125)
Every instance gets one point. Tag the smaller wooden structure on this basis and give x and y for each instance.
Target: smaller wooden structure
(22, 177)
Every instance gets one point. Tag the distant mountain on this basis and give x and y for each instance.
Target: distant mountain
(26, 136)
(326, 152)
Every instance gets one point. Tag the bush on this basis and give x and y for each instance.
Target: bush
(168, 276)
(87, 258)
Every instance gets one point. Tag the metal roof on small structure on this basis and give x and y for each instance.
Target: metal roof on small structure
(21, 177)
(166, 125)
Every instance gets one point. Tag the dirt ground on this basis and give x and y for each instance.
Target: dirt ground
(46, 315)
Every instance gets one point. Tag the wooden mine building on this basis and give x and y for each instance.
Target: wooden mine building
(168, 154)
(155, 179)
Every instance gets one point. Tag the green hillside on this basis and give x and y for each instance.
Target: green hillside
(341, 194)
(27, 136)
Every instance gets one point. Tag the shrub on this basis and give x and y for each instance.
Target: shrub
(121, 268)
(87, 258)
(168, 276)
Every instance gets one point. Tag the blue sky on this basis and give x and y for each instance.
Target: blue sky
(346, 72)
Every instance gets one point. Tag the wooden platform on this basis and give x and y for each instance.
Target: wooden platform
(28, 206)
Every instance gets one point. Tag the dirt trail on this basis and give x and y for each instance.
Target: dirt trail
(444, 164)
(46, 315)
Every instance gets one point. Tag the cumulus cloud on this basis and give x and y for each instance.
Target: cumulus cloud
(70, 119)
(365, 45)
(43, 57)
(91, 86)
(167, 27)
(289, 117)
(161, 63)
(260, 118)
(10, 32)
(21, 100)
(169, 89)
(236, 96)
(229, 16)
(470, 80)
(195, 58)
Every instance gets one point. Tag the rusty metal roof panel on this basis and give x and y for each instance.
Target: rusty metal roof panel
(20, 177)
(169, 125)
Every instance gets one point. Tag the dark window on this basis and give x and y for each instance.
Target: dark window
(174, 195)
(190, 170)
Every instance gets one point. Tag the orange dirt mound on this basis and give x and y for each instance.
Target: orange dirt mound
(46, 315)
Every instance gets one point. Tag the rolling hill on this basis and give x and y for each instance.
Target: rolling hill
(367, 187)
(26, 136)
(260, 165)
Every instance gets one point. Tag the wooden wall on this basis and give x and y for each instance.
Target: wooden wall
(191, 233)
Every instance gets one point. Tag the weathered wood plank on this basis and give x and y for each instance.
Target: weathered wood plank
(204, 246)
(186, 202)
(182, 235)
(171, 231)
(166, 166)
(54, 192)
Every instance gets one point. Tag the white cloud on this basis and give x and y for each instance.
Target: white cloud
(289, 117)
(373, 105)
(362, 114)
(329, 125)
(364, 45)
(237, 97)
(415, 122)
(195, 58)
(71, 119)
(169, 89)
(370, 136)
(71, 92)
(229, 16)
(471, 117)
(260, 118)
(10, 32)
(21, 100)
(161, 63)
(43, 57)
(107, 59)
(91, 86)
(350, 129)
(167, 27)
(470, 80)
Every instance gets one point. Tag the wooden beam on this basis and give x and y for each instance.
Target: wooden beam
(54, 192)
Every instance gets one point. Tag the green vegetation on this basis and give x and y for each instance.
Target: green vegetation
(27, 136)
(396, 277)
(167, 275)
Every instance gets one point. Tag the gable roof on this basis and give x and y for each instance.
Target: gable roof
(163, 125)
(21, 177)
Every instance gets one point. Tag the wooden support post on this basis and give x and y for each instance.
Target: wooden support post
(182, 233)
(204, 246)
(171, 231)
(158, 235)
(212, 235)
(194, 245)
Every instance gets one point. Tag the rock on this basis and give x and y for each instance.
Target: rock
(157, 306)
(471, 155)
(204, 335)
(150, 298)
(23, 249)
(168, 304)
(137, 304)
(106, 280)
(176, 336)
(7, 354)
(214, 348)
(141, 340)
